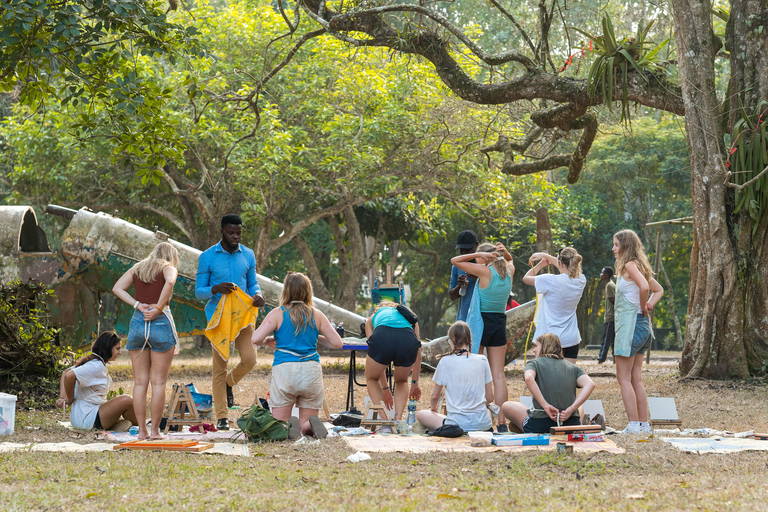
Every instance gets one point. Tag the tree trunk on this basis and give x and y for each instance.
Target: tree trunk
(725, 335)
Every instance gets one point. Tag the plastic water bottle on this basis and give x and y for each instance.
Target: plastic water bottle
(134, 430)
(462, 290)
(411, 413)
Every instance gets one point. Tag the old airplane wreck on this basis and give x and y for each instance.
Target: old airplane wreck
(97, 248)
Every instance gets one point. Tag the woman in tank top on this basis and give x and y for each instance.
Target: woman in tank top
(494, 270)
(294, 329)
(559, 296)
(392, 339)
(633, 327)
(152, 334)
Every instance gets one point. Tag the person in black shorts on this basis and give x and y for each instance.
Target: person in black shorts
(392, 340)
(552, 381)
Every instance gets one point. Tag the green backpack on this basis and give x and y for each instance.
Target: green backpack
(258, 424)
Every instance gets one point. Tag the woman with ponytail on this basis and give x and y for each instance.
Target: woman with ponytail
(152, 338)
(297, 377)
(85, 387)
(492, 264)
(467, 380)
(559, 295)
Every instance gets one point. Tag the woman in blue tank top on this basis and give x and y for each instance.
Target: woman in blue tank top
(494, 270)
(297, 377)
(392, 339)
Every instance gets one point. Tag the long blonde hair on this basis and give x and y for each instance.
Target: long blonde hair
(500, 265)
(571, 259)
(162, 255)
(297, 299)
(631, 249)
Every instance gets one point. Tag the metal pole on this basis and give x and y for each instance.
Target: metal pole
(656, 264)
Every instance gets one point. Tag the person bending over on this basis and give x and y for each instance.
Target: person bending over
(552, 381)
(85, 387)
(297, 377)
(467, 381)
(392, 339)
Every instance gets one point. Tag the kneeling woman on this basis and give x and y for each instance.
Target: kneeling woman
(468, 390)
(552, 381)
(392, 339)
(85, 387)
(297, 377)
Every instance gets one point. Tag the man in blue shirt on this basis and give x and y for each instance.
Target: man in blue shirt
(466, 244)
(219, 269)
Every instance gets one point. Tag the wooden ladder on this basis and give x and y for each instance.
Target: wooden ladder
(379, 411)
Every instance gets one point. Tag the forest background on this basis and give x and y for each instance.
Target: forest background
(355, 158)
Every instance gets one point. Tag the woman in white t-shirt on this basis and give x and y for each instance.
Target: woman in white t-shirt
(559, 295)
(467, 380)
(85, 387)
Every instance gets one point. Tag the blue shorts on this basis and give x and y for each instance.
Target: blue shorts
(641, 340)
(160, 338)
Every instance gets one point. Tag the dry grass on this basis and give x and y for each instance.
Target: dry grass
(650, 475)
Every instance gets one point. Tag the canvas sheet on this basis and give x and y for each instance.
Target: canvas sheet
(424, 444)
(222, 448)
(715, 444)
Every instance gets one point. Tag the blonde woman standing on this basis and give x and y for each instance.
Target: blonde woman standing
(632, 323)
(494, 270)
(297, 377)
(559, 297)
(152, 334)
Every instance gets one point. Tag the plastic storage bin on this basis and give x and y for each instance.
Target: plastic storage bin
(7, 413)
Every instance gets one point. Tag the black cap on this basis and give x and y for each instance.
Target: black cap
(467, 240)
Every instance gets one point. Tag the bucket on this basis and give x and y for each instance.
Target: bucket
(7, 413)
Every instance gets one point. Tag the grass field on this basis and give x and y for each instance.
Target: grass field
(651, 475)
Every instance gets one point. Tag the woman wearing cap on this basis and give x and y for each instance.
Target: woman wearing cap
(552, 381)
(559, 295)
(494, 270)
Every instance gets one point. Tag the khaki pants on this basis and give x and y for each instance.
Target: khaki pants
(220, 375)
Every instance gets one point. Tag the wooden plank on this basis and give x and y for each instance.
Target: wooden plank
(169, 445)
(574, 429)
(761, 437)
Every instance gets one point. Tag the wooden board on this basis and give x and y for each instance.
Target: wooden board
(171, 445)
(761, 437)
(575, 429)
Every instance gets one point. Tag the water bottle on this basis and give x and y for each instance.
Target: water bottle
(462, 290)
(411, 413)
(134, 430)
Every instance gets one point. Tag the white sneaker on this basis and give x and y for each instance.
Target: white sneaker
(632, 430)
(646, 429)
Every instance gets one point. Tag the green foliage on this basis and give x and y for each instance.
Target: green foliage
(88, 54)
(614, 58)
(748, 157)
(31, 361)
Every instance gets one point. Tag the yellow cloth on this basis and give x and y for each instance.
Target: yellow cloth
(234, 313)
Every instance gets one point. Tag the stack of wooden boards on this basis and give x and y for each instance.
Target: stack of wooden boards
(169, 445)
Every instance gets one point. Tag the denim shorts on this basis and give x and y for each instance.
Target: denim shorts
(641, 339)
(160, 338)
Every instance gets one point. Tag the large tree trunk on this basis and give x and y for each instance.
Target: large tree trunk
(725, 332)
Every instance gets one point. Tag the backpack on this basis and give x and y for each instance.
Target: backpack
(258, 424)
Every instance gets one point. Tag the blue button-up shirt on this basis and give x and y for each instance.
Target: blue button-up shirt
(216, 265)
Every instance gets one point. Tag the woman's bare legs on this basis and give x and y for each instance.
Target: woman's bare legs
(516, 412)
(496, 356)
(374, 372)
(430, 419)
(624, 370)
(160, 365)
(641, 398)
(111, 411)
(140, 361)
